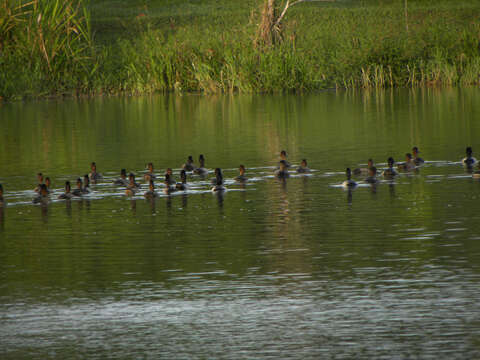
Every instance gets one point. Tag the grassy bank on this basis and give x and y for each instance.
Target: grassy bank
(51, 48)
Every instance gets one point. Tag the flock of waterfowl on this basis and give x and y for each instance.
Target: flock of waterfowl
(282, 171)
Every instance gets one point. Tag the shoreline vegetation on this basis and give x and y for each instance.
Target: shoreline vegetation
(54, 48)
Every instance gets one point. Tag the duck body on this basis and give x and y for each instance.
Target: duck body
(418, 161)
(65, 196)
(150, 194)
(303, 170)
(41, 199)
(169, 189)
(121, 182)
(201, 171)
(469, 161)
(349, 183)
(217, 188)
(241, 178)
(282, 174)
(389, 173)
(371, 180)
(94, 176)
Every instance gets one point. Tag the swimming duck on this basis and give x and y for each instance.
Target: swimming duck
(47, 184)
(417, 159)
(218, 175)
(218, 181)
(241, 177)
(132, 186)
(364, 171)
(169, 184)
(79, 190)
(123, 178)
(390, 172)
(171, 179)
(151, 193)
(408, 165)
(283, 157)
(303, 168)
(469, 160)
(372, 175)
(94, 176)
(67, 194)
(42, 197)
(189, 165)
(86, 184)
(201, 170)
(282, 171)
(40, 182)
(149, 175)
(183, 185)
(349, 183)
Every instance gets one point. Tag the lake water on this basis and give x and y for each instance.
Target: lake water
(270, 269)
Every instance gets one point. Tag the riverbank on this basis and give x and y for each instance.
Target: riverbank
(128, 47)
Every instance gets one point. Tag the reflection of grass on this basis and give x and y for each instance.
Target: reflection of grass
(164, 45)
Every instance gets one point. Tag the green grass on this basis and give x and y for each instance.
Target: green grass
(139, 47)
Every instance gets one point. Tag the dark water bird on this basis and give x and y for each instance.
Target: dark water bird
(416, 158)
(349, 183)
(303, 168)
(182, 186)
(241, 174)
(151, 193)
(390, 173)
(68, 192)
(201, 170)
(469, 160)
(94, 175)
(363, 171)
(79, 190)
(282, 171)
(189, 165)
(123, 181)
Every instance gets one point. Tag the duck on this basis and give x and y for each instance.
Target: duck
(283, 157)
(282, 171)
(151, 193)
(417, 159)
(189, 165)
(218, 181)
(390, 172)
(86, 185)
(241, 177)
(171, 179)
(469, 160)
(363, 171)
(48, 183)
(183, 185)
(303, 168)
(149, 175)
(132, 186)
(201, 170)
(123, 178)
(42, 197)
(2, 200)
(372, 175)
(40, 182)
(218, 175)
(408, 165)
(79, 190)
(169, 185)
(67, 194)
(94, 176)
(349, 183)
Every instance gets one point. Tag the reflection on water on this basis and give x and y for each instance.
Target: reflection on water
(295, 268)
